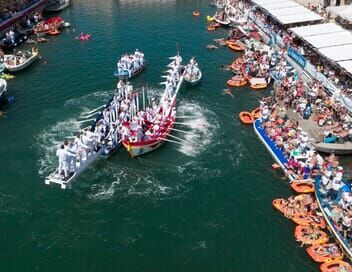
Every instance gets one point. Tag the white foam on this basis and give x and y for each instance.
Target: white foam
(202, 128)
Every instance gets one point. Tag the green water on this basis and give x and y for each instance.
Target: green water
(204, 207)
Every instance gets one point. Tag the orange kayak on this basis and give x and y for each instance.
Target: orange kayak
(235, 46)
(256, 113)
(303, 186)
(196, 13)
(305, 220)
(335, 266)
(325, 253)
(237, 81)
(246, 117)
(316, 238)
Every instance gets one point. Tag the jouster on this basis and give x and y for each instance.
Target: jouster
(130, 65)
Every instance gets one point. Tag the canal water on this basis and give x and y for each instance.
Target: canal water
(200, 206)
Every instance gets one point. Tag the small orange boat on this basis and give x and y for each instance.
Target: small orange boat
(211, 28)
(53, 32)
(237, 64)
(256, 113)
(237, 81)
(317, 237)
(246, 117)
(258, 83)
(335, 266)
(303, 186)
(325, 253)
(305, 220)
(196, 13)
(235, 46)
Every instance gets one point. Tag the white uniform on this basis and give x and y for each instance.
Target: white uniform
(62, 155)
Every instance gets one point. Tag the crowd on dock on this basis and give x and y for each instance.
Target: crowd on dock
(293, 146)
(9, 8)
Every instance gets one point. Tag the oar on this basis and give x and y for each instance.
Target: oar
(164, 76)
(171, 141)
(179, 123)
(177, 138)
(188, 117)
(89, 115)
(84, 121)
(182, 131)
(161, 83)
(96, 109)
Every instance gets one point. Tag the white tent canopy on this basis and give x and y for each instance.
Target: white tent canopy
(338, 53)
(311, 30)
(280, 5)
(330, 39)
(347, 65)
(288, 11)
(298, 18)
(343, 11)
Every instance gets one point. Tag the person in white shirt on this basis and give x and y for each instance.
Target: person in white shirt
(62, 155)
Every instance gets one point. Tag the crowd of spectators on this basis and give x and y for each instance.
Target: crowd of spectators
(9, 8)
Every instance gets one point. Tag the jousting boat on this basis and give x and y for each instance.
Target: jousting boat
(102, 151)
(160, 129)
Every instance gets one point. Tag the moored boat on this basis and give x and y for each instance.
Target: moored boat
(131, 65)
(246, 117)
(336, 266)
(19, 61)
(325, 253)
(256, 113)
(309, 219)
(236, 46)
(237, 81)
(310, 236)
(57, 5)
(49, 25)
(303, 186)
(257, 83)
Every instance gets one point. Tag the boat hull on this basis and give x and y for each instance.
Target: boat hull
(57, 8)
(21, 66)
(143, 149)
(124, 74)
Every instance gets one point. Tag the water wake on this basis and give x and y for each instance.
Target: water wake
(202, 128)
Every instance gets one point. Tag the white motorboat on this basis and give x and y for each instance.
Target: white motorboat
(19, 61)
(57, 5)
